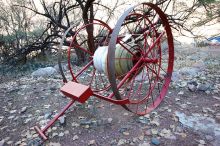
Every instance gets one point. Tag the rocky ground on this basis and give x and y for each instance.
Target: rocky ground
(188, 116)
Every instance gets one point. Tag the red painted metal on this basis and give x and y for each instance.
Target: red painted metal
(76, 91)
(143, 87)
(42, 132)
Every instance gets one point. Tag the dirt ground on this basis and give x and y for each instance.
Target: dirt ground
(26, 102)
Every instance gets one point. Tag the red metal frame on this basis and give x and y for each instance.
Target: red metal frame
(147, 61)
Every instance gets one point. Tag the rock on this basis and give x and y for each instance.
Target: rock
(144, 144)
(143, 120)
(154, 131)
(155, 141)
(48, 115)
(1, 118)
(121, 142)
(9, 142)
(64, 67)
(66, 132)
(109, 120)
(54, 134)
(62, 120)
(2, 142)
(74, 124)
(75, 137)
(126, 133)
(166, 133)
(218, 98)
(203, 87)
(44, 72)
(34, 142)
(23, 109)
(182, 84)
(175, 76)
(54, 128)
(202, 142)
(218, 116)
(27, 120)
(61, 134)
(200, 123)
(85, 122)
(209, 138)
(18, 143)
(181, 93)
(192, 86)
(189, 71)
(54, 144)
(91, 142)
(125, 114)
(13, 111)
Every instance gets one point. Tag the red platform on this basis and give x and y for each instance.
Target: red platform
(76, 91)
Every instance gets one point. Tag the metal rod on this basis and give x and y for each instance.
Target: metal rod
(42, 132)
(83, 69)
(126, 77)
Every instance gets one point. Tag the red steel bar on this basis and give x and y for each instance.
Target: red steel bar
(84, 68)
(42, 132)
(120, 102)
(126, 77)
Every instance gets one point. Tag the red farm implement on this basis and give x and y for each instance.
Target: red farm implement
(131, 64)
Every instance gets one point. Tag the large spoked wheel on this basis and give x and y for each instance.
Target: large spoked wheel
(140, 57)
(84, 42)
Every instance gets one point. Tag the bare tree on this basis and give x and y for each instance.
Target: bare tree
(60, 14)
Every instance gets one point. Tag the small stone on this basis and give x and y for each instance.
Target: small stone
(54, 134)
(143, 120)
(154, 131)
(125, 114)
(74, 124)
(91, 142)
(155, 141)
(144, 144)
(61, 134)
(87, 126)
(9, 142)
(203, 87)
(218, 98)
(126, 133)
(191, 87)
(75, 137)
(109, 120)
(23, 110)
(208, 92)
(121, 142)
(18, 143)
(141, 137)
(2, 142)
(66, 132)
(35, 135)
(181, 93)
(62, 120)
(218, 116)
(48, 115)
(11, 117)
(54, 128)
(27, 120)
(54, 144)
(209, 138)
(1, 118)
(182, 84)
(85, 122)
(202, 142)
(13, 111)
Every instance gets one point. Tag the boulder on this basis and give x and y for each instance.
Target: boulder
(44, 72)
